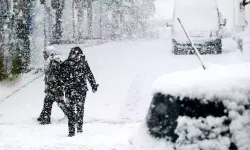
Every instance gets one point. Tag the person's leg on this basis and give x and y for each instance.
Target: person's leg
(65, 116)
(68, 111)
(47, 108)
(42, 114)
(80, 111)
(64, 107)
(72, 120)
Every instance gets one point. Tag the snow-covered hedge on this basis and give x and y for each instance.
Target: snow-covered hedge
(202, 109)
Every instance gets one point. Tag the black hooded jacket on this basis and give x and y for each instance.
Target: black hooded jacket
(53, 81)
(75, 73)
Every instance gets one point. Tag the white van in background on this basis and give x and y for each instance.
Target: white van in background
(202, 21)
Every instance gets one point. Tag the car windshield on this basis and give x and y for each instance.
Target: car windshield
(196, 18)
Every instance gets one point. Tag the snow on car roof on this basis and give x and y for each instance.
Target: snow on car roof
(231, 82)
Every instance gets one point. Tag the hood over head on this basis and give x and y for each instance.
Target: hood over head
(49, 51)
(75, 53)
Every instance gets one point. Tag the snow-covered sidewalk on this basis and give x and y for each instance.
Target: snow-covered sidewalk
(9, 88)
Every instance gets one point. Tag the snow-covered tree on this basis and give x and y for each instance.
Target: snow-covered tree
(128, 17)
(58, 6)
(21, 29)
(2, 38)
(5, 43)
(80, 6)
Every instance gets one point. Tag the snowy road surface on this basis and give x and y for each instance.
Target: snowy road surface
(125, 72)
(113, 115)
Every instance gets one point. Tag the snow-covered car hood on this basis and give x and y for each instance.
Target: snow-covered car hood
(196, 36)
(195, 40)
(230, 82)
(199, 33)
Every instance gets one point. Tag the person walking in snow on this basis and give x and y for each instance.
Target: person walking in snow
(53, 89)
(75, 72)
(50, 51)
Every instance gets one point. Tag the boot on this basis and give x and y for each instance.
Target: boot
(39, 119)
(79, 130)
(71, 134)
(45, 121)
(71, 126)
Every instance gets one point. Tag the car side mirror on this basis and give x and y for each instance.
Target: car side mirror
(169, 23)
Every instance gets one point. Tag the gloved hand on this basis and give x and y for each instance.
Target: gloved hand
(94, 88)
(62, 98)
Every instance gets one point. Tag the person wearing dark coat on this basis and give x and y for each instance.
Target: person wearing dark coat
(53, 91)
(76, 72)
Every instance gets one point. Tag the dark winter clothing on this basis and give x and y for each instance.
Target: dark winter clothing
(51, 71)
(53, 82)
(77, 101)
(53, 90)
(47, 108)
(75, 73)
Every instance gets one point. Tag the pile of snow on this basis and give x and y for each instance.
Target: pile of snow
(211, 133)
(202, 133)
(229, 84)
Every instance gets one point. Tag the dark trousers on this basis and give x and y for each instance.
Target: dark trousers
(76, 101)
(47, 108)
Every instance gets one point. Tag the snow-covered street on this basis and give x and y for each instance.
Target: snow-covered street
(125, 72)
(113, 115)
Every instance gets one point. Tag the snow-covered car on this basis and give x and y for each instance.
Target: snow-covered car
(203, 22)
(201, 109)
